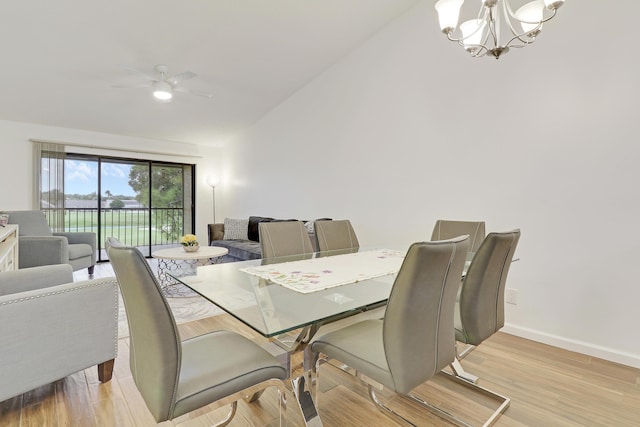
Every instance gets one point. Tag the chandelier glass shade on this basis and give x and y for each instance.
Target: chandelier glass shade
(496, 28)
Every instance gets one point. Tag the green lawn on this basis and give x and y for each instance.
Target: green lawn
(130, 226)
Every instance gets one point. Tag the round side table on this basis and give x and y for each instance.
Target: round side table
(178, 262)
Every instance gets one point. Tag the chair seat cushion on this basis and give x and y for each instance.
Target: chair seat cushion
(359, 346)
(79, 250)
(219, 364)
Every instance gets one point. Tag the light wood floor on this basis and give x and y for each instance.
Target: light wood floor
(548, 387)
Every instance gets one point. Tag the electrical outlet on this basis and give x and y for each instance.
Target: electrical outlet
(512, 296)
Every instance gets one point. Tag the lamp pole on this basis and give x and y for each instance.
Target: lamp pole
(212, 182)
(213, 198)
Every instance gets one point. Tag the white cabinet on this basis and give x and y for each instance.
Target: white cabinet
(9, 247)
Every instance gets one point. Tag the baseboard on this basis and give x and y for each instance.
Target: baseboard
(601, 352)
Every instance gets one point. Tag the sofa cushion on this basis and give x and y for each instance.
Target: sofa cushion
(252, 230)
(240, 249)
(79, 250)
(236, 229)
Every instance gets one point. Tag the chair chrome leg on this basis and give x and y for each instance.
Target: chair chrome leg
(282, 406)
(492, 394)
(384, 408)
(253, 397)
(429, 407)
(302, 393)
(468, 349)
(229, 417)
(372, 385)
(459, 371)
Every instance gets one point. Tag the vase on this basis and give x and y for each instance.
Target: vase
(193, 248)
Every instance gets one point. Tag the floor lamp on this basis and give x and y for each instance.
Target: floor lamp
(212, 183)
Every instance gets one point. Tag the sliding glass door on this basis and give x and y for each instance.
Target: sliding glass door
(142, 203)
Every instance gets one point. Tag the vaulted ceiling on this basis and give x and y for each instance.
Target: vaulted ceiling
(61, 60)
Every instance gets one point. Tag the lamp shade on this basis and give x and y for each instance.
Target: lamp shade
(472, 32)
(448, 14)
(530, 15)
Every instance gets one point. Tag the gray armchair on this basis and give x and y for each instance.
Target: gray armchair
(38, 245)
(52, 327)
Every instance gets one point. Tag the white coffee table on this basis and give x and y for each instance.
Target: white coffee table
(177, 262)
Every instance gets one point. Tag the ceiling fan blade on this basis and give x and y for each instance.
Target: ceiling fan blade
(186, 75)
(146, 76)
(193, 92)
(141, 85)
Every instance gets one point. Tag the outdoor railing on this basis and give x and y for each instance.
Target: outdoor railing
(131, 226)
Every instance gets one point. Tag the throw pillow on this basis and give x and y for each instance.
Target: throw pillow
(236, 229)
(253, 227)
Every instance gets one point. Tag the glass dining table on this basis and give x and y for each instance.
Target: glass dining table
(296, 295)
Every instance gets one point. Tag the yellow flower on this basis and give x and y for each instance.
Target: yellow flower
(189, 240)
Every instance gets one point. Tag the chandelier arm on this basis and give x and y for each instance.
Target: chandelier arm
(518, 37)
(508, 14)
(492, 29)
(553, 14)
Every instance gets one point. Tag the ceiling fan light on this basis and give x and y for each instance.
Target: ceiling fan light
(162, 91)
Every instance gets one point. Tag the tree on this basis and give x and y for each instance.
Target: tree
(116, 204)
(166, 185)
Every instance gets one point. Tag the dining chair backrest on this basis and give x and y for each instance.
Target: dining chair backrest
(154, 343)
(481, 305)
(446, 229)
(418, 326)
(285, 238)
(335, 235)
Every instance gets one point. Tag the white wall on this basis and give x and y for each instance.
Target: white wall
(408, 129)
(16, 162)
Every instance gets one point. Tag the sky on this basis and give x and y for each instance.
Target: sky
(81, 177)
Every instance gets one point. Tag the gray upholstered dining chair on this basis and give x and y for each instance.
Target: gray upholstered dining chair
(176, 377)
(284, 238)
(335, 235)
(38, 245)
(446, 229)
(415, 340)
(480, 309)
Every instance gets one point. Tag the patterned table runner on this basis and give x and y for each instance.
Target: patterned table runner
(316, 274)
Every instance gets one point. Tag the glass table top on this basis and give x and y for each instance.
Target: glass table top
(272, 309)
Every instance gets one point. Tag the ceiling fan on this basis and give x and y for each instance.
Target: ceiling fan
(165, 85)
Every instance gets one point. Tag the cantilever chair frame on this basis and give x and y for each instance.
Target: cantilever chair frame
(434, 304)
(374, 384)
(168, 406)
(477, 279)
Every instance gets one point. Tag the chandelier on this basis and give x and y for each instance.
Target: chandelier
(484, 35)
